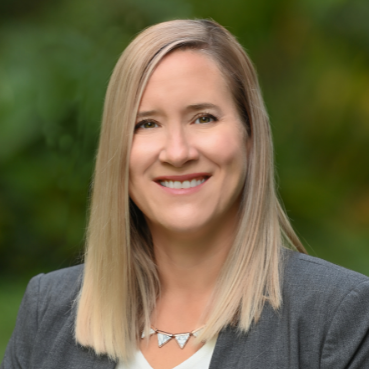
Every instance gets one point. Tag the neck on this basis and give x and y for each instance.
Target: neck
(189, 263)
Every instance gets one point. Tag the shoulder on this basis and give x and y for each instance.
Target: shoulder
(329, 304)
(55, 291)
(323, 296)
(45, 320)
(305, 264)
(304, 274)
(60, 280)
(323, 321)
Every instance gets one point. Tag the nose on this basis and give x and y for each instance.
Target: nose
(179, 148)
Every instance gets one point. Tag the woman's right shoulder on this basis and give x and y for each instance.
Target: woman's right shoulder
(46, 316)
(59, 279)
(56, 290)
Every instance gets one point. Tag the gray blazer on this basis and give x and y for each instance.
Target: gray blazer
(323, 323)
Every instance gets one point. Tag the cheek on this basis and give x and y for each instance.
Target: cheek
(142, 156)
(229, 151)
(135, 160)
(138, 162)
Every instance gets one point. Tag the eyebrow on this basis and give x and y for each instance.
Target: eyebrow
(189, 108)
(201, 106)
(144, 114)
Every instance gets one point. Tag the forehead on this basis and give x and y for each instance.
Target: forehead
(188, 74)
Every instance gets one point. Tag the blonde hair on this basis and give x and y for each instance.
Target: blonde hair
(120, 282)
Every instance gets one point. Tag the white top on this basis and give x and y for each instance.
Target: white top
(199, 360)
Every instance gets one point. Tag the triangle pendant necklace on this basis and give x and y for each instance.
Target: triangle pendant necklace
(182, 339)
(165, 337)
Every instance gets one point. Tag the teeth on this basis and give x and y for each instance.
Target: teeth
(184, 184)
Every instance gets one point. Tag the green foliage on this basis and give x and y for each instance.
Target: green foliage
(11, 293)
(56, 59)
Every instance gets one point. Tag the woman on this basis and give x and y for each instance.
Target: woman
(187, 262)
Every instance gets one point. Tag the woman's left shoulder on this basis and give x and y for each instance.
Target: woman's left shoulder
(330, 306)
(306, 273)
(317, 289)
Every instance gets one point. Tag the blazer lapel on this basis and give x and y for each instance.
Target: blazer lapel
(228, 349)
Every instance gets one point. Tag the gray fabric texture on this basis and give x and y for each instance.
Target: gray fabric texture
(323, 323)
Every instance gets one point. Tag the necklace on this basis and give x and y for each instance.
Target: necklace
(181, 338)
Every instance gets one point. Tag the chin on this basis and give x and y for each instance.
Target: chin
(184, 228)
(185, 225)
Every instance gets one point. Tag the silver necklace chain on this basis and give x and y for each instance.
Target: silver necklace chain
(181, 338)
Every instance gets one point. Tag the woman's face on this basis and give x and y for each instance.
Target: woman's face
(188, 159)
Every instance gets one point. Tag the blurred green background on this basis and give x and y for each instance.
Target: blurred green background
(312, 58)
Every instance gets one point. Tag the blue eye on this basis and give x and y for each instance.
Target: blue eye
(208, 118)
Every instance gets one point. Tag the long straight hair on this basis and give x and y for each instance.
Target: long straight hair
(120, 283)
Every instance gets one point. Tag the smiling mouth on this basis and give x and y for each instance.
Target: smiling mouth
(183, 184)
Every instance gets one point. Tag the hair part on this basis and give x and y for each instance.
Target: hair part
(120, 283)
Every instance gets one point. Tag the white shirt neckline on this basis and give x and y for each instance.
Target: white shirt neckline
(196, 361)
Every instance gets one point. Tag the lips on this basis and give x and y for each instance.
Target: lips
(182, 181)
(184, 184)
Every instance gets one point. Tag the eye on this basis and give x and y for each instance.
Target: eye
(205, 118)
(146, 124)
